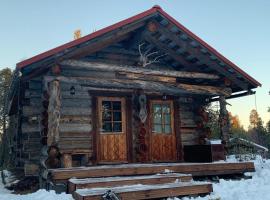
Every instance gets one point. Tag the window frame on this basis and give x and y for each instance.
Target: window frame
(123, 117)
(162, 102)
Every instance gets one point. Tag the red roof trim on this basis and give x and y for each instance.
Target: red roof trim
(86, 38)
(125, 22)
(214, 51)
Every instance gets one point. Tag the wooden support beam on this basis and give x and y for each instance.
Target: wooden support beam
(138, 70)
(53, 113)
(203, 58)
(150, 86)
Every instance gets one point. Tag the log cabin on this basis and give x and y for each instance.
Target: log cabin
(133, 92)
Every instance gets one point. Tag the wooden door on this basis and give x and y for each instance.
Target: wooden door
(163, 140)
(112, 145)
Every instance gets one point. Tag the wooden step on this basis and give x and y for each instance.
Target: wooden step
(74, 184)
(136, 192)
(196, 169)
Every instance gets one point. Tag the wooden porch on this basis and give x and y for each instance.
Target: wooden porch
(143, 181)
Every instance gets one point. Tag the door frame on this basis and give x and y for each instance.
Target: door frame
(98, 120)
(173, 127)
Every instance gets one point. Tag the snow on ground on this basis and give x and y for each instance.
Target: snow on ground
(256, 188)
(39, 195)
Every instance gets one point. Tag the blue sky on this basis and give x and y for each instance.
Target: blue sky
(239, 30)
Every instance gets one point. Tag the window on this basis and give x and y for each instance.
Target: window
(112, 121)
(161, 117)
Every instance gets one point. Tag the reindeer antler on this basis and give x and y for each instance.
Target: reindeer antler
(144, 57)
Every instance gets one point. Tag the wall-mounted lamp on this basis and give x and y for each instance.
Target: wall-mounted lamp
(164, 97)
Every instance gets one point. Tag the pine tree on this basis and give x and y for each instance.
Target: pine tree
(5, 80)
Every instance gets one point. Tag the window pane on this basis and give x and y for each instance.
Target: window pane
(116, 105)
(167, 119)
(167, 129)
(107, 127)
(166, 109)
(157, 128)
(117, 116)
(106, 115)
(106, 105)
(157, 108)
(117, 127)
(157, 118)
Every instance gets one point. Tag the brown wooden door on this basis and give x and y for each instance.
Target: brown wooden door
(163, 140)
(112, 145)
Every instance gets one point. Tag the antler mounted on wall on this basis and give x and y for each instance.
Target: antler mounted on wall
(147, 57)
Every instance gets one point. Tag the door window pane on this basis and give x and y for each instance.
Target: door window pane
(167, 128)
(111, 117)
(117, 116)
(157, 128)
(116, 105)
(157, 118)
(167, 119)
(107, 127)
(117, 127)
(161, 122)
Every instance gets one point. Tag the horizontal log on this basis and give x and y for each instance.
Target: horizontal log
(188, 131)
(32, 94)
(75, 144)
(76, 119)
(75, 128)
(66, 71)
(31, 110)
(186, 115)
(75, 134)
(86, 103)
(166, 79)
(30, 128)
(188, 123)
(75, 111)
(139, 70)
(206, 89)
(35, 84)
(77, 95)
(189, 137)
(31, 169)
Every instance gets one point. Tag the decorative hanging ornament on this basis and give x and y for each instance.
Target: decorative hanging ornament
(143, 111)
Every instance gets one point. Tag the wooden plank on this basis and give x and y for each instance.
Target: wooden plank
(74, 184)
(196, 169)
(137, 70)
(147, 191)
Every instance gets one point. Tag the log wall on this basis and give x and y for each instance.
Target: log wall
(188, 127)
(31, 128)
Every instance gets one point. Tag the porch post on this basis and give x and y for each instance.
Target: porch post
(224, 121)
